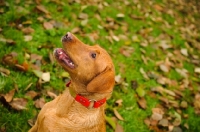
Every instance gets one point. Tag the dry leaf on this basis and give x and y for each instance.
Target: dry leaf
(48, 25)
(35, 57)
(118, 115)
(120, 15)
(163, 122)
(32, 94)
(184, 52)
(51, 94)
(10, 41)
(39, 103)
(119, 102)
(5, 71)
(126, 51)
(28, 38)
(10, 59)
(83, 16)
(9, 96)
(19, 103)
(157, 114)
(197, 69)
(28, 30)
(42, 9)
(142, 103)
(46, 76)
(119, 128)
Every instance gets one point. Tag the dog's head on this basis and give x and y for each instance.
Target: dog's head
(89, 66)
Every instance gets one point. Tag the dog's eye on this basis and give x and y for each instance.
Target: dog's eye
(93, 55)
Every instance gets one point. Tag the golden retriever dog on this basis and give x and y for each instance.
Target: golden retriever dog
(81, 106)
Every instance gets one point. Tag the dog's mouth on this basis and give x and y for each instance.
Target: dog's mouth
(62, 56)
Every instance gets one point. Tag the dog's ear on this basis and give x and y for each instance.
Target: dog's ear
(102, 83)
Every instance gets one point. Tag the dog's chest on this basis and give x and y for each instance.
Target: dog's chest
(75, 118)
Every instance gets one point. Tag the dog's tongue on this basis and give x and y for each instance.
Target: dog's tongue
(65, 58)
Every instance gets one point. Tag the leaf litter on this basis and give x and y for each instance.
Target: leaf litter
(170, 92)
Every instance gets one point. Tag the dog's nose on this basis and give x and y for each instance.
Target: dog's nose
(67, 37)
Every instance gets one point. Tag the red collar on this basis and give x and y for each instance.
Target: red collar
(88, 102)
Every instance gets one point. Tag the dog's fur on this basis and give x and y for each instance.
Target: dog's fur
(92, 76)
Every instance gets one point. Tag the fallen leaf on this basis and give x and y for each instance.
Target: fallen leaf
(9, 96)
(119, 102)
(10, 59)
(157, 114)
(147, 122)
(39, 103)
(35, 57)
(19, 103)
(184, 52)
(120, 15)
(42, 9)
(184, 104)
(51, 94)
(10, 41)
(46, 76)
(197, 69)
(142, 103)
(134, 84)
(158, 7)
(140, 91)
(111, 122)
(117, 114)
(163, 122)
(28, 38)
(5, 71)
(126, 51)
(48, 25)
(32, 94)
(27, 30)
(144, 74)
(38, 73)
(119, 128)
(83, 16)
(118, 79)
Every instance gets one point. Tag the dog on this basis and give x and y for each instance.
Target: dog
(81, 107)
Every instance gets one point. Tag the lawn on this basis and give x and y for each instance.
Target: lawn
(154, 45)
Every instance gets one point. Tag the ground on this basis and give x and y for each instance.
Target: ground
(154, 45)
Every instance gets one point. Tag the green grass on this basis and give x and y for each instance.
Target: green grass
(66, 16)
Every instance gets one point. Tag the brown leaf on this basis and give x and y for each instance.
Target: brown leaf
(10, 41)
(126, 51)
(51, 94)
(119, 128)
(10, 59)
(119, 102)
(32, 94)
(42, 9)
(23, 67)
(48, 25)
(163, 122)
(51, 57)
(142, 103)
(35, 57)
(118, 115)
(83, 16)
(19, 103)
(9, 96)
(147, 122)
(39, 103)
(5, 71)
(157, 114)
(27, 30)
(158, 7)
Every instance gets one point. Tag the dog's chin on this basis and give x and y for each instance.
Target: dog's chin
(63, 58)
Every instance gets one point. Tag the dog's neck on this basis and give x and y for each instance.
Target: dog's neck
(89, 100)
